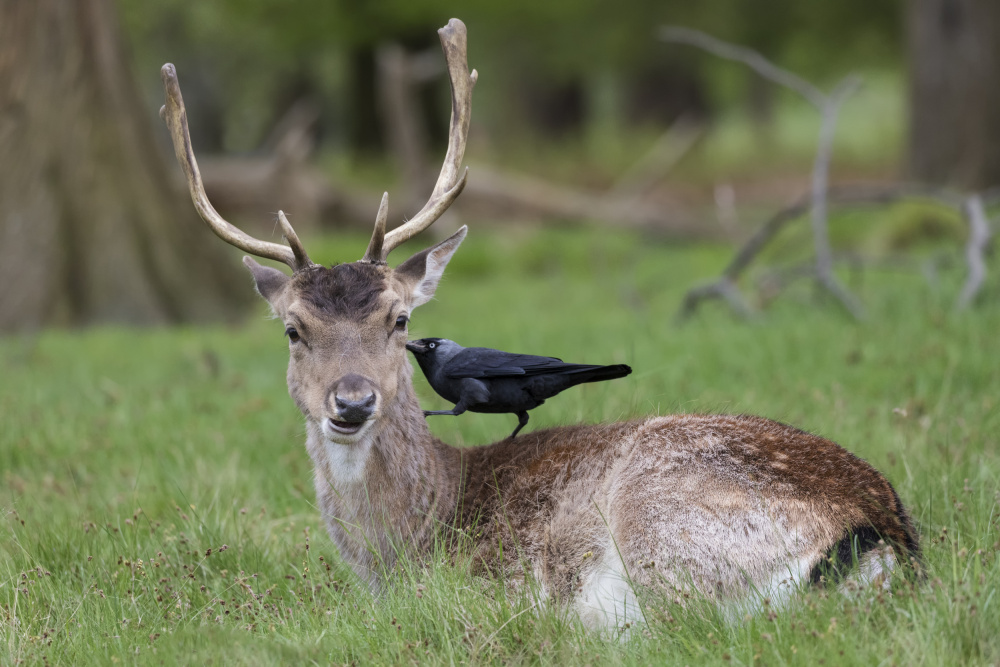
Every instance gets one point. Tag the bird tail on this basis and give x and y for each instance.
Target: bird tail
(584, 373)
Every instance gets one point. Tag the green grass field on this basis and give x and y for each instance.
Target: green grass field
(157, 502)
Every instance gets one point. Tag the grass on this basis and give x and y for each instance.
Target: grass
(157, 503)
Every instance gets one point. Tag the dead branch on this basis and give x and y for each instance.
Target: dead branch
(507, 190)
(726, 283)
(749, 57)
(979, 236)
(829, 108)
(857, 194)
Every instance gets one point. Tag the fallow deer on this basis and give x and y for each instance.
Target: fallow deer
(730, 507)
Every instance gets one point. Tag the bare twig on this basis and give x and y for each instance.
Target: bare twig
(829, 108)
(748, 57)
(979, 236)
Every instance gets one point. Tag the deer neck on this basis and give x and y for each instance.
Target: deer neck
(389, 491)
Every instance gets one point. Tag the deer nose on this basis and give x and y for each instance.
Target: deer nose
(355, 411)
(354, 398)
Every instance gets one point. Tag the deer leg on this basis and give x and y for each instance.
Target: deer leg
(522, 419)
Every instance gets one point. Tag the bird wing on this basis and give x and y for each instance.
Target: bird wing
(481, 362)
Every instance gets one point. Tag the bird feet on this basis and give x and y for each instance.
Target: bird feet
(522, 419)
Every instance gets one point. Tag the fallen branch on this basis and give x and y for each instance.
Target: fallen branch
(540, 197)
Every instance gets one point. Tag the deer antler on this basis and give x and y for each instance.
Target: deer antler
(452, 178)
(175, 116)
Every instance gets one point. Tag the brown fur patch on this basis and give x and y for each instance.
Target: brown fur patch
(836, 478)
(350, 290)
(541, 496)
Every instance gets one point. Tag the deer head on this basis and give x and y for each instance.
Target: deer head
(347, 324)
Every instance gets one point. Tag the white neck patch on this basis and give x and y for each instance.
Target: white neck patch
(345, 463)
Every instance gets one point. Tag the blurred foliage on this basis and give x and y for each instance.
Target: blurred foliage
(916, 225)
(245, 62)
(912, 234)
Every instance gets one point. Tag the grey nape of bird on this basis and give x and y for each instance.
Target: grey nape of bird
(479, 379)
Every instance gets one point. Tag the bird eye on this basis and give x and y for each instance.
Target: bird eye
(432, 345)
(293, 335)
(401, 322)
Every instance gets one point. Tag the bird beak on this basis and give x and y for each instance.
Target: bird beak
(416, 347)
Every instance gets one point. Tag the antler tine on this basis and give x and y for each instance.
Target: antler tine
(452, 178)
(298, 250)
(374, 252)
(175, 116)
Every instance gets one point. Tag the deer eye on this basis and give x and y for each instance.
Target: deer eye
(293, 335)
(401, 322)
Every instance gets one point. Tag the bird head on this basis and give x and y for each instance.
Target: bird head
(427, 346)
(433, 352)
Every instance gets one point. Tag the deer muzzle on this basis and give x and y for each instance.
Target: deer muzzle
(355, 400)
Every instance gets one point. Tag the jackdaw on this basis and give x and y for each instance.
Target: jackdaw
(484, 380)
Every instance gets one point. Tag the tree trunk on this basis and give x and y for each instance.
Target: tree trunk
(954, 97)
(92, 229)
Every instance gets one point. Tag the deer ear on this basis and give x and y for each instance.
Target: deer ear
(269, 281)
(423, 271)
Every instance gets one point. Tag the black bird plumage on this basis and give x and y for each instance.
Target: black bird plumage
(479, 379)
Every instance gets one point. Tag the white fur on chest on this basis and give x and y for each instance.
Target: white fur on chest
(346, 463)
(341, 464)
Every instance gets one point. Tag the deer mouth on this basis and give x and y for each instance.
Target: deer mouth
(345, 428)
